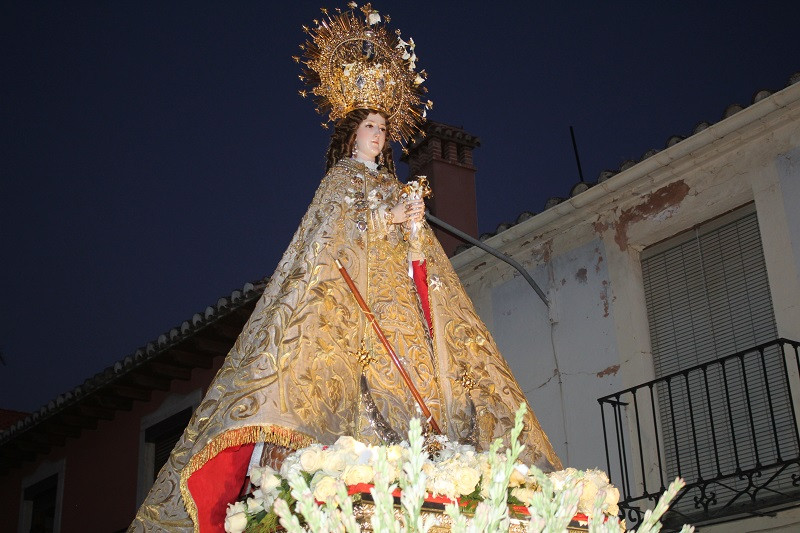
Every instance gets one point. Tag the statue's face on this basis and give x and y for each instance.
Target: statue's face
(370, 137)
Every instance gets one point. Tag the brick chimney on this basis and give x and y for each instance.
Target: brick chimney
(444, 155)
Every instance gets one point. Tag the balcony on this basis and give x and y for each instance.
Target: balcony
(728, 427)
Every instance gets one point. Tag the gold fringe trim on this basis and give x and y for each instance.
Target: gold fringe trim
(288, 438)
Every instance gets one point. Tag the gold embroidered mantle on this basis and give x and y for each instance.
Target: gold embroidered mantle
(292, 377)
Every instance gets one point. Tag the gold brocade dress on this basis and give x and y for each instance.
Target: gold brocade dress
(293, 375)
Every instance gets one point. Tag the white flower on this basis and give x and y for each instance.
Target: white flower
(598, 477)
(334, 462)
(238, 507)
(260, 474)
(291, 465)
(349, 444)
(443, 484)
(270, 482)
(311, 459)
(561, 478)
(395, 453)
(517, 478)
(324, 487)
(466, 479)
(588, 495)
(355, 474)
(254, 505)
(524, 495)
(611, 500)
(418, 80)
(236, 519)
(373, 18)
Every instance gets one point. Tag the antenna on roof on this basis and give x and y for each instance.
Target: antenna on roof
(577, 157)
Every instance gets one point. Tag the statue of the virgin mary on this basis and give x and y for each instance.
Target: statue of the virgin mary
(308, 366)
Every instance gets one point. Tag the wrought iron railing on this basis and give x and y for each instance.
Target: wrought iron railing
(728, 427)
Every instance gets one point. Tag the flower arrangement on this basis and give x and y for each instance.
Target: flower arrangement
(484, 491)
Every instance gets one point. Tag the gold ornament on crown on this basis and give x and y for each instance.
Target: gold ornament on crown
(351, 61)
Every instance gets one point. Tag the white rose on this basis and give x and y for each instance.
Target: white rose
(258, 474)
(466, 480)
(270, 482)
(334, 462)
(517, 478)
(442, 484)
(348, 443)
(588, 495)
(324, 488)
(523, 494)
(311, 459)
(269, 500)
(238, 507)
(486, 468)
(612, 497)
(394, 453)
(355, 474)
(561, 478)
(235, 523)
(254, 505)
(291, 466)
(598, 477)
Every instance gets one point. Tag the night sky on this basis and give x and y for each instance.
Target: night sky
(156, 156)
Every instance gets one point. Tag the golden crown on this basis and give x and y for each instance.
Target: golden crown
(353, 62)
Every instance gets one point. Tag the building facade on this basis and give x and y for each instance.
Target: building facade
(674, 302)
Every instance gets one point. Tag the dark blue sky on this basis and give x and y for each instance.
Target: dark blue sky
(156, 155)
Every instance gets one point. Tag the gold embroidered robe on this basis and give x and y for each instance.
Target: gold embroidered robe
(292, 378)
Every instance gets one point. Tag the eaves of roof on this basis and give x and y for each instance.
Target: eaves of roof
(605, 175)
(171, 356)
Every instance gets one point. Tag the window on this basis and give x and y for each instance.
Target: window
(707, 297)
(40, 502)
(42, 492)
(158, 434)
(162, 436)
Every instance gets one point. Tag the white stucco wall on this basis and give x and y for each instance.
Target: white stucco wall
(584, 253)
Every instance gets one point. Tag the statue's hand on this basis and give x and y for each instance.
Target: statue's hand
(408, 210)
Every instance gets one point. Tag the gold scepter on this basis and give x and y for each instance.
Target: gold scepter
(396, 360)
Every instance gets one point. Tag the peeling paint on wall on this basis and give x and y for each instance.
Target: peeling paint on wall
(604, 298)
(665, 199)
(545, 251)
(600, 227)
(610, 371)
(580, 275)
